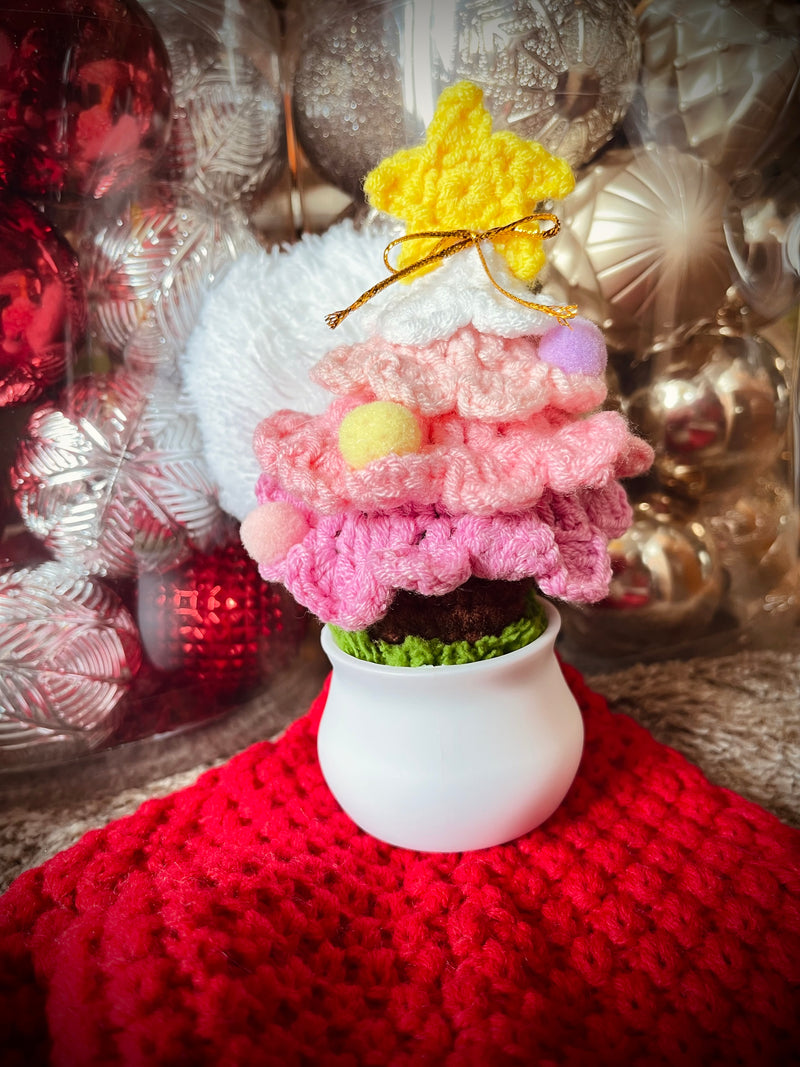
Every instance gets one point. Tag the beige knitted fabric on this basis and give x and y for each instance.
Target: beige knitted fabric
(737, 717)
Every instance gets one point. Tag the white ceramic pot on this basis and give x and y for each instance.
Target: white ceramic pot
(445, 759)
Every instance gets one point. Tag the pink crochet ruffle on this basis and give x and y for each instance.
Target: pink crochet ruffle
(349, 565)
(476, 375)
(463, 466)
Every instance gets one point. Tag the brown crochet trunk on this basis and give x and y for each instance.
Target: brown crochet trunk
(475, 609)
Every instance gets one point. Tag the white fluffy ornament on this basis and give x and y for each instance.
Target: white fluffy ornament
(260, 331)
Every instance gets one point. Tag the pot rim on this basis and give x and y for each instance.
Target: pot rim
(547, 637)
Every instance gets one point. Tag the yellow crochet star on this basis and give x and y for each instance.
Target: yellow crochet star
(466, 177)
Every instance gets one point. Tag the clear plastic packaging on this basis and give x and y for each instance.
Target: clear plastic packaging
(143, 149)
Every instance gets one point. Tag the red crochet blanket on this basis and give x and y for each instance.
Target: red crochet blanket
(246, 921)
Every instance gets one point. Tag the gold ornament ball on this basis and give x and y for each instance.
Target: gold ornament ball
(667, 584)
(642, 247)
(757, 538)
(368, 75)
(715, 411)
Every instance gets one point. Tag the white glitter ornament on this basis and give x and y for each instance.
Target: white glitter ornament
(112, 479)
(368, 75)
(68, 653)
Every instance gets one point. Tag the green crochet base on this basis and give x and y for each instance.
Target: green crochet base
(422, 652)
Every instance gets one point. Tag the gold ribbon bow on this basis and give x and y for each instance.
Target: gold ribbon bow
(452, 241)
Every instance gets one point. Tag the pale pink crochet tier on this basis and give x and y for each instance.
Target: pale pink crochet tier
(475, 375)
(348, 566)
(463, 466)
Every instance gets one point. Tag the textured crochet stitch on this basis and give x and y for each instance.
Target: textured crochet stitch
(465, 177)
(473, 447)
(475, 375)
(465, 467)
(347, 567)
(415, 651)
(652, 921)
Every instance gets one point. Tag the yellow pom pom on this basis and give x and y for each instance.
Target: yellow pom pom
(378, 429)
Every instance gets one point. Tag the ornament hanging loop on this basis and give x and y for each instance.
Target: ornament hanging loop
(450, 242)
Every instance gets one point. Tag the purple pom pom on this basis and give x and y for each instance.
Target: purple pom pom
(577, 349)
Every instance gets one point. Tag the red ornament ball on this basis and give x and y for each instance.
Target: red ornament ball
(215, 622)
(42, 303)
(85, 97)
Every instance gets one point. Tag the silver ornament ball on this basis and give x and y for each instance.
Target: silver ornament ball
(642, 247)
(112, 478)
(757, 540)
(721, 78)
(69, 650)
(368, 75)
(715, 410)
(667, 584)
(148, 269)
(228, 137)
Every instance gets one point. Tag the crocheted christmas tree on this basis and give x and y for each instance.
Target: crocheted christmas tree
(463, 460)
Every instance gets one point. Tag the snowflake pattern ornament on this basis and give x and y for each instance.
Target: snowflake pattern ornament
(112, 478)
(228, 139)
(69, 650)
(147, 268)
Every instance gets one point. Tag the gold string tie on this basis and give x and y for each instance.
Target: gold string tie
(449, 243)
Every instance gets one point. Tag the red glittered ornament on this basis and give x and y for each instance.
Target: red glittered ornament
(213, 622)
(85, 97)
(42, 302)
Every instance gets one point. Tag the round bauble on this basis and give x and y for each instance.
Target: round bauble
(715, 410)
(642, 247)
(722, 79)
(68, 653)
(147, 270)
(213, 622)
(667, 584)
(757, 539)
(228, 135)
(368, 75)
(84, 97)
(42, 303)
(113, 480)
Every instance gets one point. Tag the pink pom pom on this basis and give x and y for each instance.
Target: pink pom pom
(270, 530)
(577, 349)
